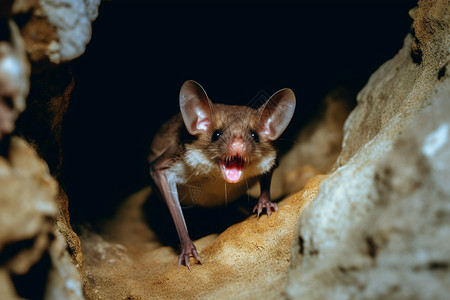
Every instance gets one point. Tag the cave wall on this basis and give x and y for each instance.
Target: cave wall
(375, 229)
(40, 255)
(379, 226)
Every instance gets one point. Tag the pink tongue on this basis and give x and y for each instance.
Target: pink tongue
(232, 175)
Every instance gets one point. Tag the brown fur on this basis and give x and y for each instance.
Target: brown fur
(232, 120)
(181, 162)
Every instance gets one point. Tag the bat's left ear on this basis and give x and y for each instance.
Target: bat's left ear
(276, 114)
(195, 107)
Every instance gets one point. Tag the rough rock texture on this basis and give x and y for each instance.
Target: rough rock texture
(41, 125)
(55, 31)
(30, 247)
(37, 255)
(58, 30)
(14, 77)
(249, 260)
(400, 88)
(316, 148)
(379, 227)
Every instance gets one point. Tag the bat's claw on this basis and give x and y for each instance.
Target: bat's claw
(267, 204)
(187, 252)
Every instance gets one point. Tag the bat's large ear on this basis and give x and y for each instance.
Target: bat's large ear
(276, 114)
(195, 107)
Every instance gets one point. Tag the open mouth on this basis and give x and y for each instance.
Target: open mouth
(232, 168)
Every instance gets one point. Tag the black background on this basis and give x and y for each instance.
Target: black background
(127, 81)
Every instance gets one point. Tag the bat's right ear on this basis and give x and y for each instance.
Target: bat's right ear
(195, 107)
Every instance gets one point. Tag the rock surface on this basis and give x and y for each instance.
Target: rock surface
(55, 32)
(34, 259)
(30, 246)
(126, 244)
(316, 148)
(41, 125)
(14, 78)
(58, 30)
(379, 227)
(248, 260)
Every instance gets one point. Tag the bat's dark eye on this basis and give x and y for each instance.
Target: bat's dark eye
(216, 135)
(255, 136)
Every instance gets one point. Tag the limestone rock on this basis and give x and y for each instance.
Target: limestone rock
(58, 30)
(64, 281)
(14, 79)
(41, 125)
(379, 227)
(315, 148)
(27, 231)
(73, 22)
(52, 32)
(28, 190)
(247, 261)
(407, 233)
(400, 87)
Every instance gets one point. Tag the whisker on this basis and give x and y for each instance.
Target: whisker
(187, 180)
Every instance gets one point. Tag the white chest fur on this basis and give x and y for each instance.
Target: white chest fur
(209, 191)
(200, 182)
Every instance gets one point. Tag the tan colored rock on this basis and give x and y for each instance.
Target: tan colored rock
(63, 281)
(57, 31)
(27, 231)
(7, 289)
(39, 36)
(247, 261)
(398, 247)
(22, 6)
(379, 227)
(398, 90)
(14, 79)
(430, 21)
(407, 233)
(47, 104)
(64, 228)
(315, 148)
(28, 190)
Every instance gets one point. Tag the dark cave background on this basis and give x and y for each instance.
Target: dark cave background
(127, 81)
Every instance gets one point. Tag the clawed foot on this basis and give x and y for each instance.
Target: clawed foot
(267, 204)
(187, 252)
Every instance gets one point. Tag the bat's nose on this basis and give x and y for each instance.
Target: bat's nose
(237, 146)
